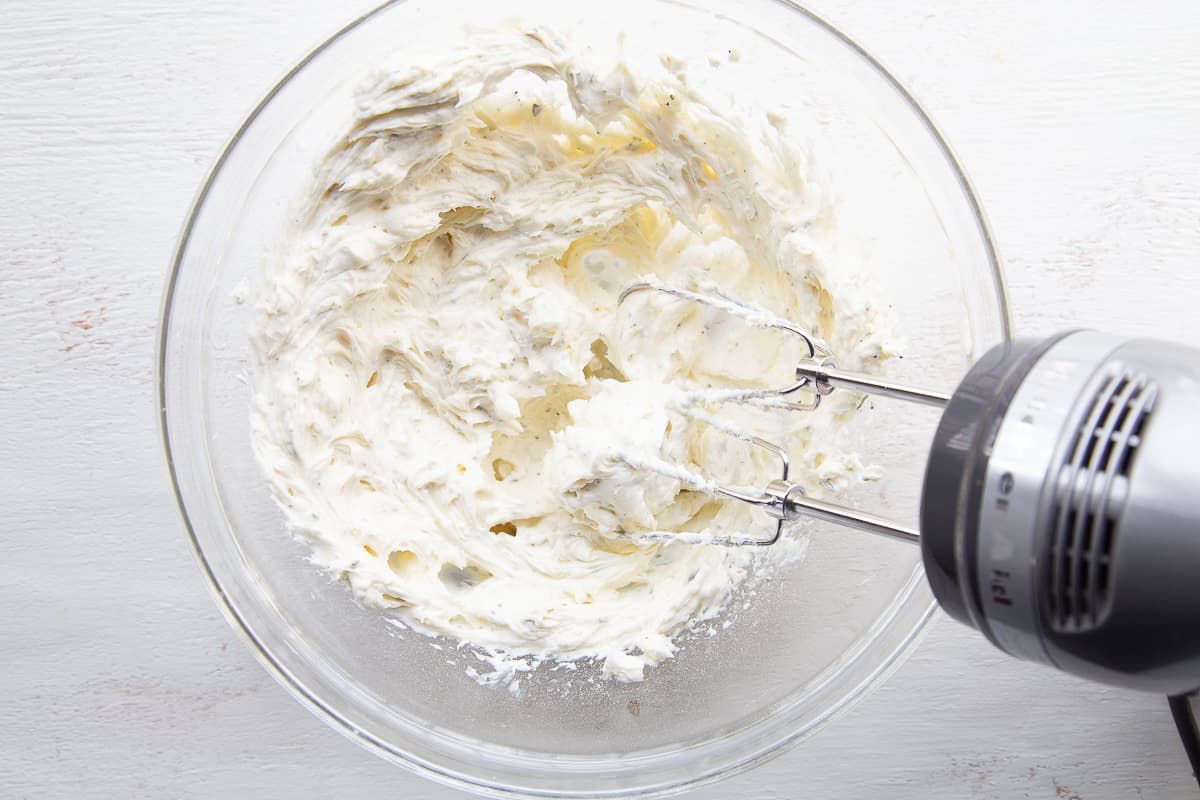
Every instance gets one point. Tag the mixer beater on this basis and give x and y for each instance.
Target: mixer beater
(817, 376)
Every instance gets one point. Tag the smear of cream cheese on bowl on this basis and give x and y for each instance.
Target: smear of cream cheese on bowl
(449, 404)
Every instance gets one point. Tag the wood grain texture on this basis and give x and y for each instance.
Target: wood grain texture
(1077, 120)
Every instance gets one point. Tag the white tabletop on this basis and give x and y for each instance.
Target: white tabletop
(1079, 121)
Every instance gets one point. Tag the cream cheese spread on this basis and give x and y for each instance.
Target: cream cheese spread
(453, 411)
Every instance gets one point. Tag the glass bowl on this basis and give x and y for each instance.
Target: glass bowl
(799, 648)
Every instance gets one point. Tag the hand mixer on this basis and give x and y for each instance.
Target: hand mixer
(1060, 507)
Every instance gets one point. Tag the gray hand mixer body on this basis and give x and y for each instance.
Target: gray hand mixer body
(1060, 510)
(1060, 507)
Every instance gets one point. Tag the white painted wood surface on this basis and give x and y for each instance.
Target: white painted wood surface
(1079, 121)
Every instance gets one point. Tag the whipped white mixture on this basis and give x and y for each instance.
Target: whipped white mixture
(453, 411)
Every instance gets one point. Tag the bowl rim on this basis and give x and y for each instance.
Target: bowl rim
(310, 699)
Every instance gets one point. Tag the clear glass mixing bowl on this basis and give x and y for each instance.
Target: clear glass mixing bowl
(810, 642)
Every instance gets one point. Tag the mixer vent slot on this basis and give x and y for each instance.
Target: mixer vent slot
(1090, 493)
